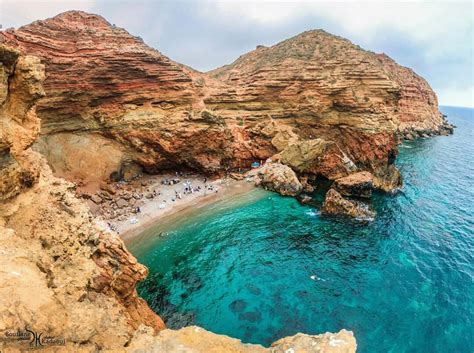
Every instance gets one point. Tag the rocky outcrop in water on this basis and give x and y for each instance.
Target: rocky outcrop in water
(337, 205)
(355, 185)
(350, 197)
(63, 277)
(279, 178)
(315, 102)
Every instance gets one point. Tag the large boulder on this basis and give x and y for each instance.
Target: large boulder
(317, 157)
(357, 185)
(337, 205)
(279, 178)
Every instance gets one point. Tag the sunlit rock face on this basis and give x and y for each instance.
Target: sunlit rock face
(103, 84)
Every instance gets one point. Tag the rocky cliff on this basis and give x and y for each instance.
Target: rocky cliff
(66, 284)
(60, 273)
(317, 105)
(113, 103)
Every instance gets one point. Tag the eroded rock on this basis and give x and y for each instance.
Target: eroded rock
(279, 178)
(337, 205)
(196, 339)
(357, 185)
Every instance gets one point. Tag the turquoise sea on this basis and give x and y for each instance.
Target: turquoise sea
(260, 266)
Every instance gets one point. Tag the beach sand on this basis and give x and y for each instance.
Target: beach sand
(162, 206)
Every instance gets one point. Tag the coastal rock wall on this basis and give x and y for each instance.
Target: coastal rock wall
(102, 81)
(60, 273)
(63, 277)
(325, 80)
(20, 87)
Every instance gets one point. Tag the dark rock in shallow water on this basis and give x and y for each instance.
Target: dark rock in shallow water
(301, 294)
(252, 316)
(254, 290)
(178, 320)
(193, 282)
(237, 306)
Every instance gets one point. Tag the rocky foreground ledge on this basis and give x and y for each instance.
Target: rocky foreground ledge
(65, 285)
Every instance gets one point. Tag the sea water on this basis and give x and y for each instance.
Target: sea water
(261, 266)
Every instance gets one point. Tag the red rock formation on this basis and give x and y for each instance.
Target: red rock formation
(107, 89)
(279, 178)
(337, 205)
(356, 185)
(65, 277)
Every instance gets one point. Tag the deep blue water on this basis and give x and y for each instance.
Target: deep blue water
(261, 266)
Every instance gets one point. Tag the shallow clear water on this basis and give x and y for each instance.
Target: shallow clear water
(260, 266)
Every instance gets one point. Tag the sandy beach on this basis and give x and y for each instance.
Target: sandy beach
(137, 205)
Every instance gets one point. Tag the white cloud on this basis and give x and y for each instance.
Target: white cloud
(16, 13)
(458, 97)
(423, 20)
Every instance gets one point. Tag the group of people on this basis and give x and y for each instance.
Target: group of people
(113, 227)
(188, 189)
(170, 181)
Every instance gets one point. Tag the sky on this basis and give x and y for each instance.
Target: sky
(435, 38)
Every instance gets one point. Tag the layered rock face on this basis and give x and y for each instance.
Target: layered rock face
(315, 98)
(62, 276)
(107, 89)
(346, 106)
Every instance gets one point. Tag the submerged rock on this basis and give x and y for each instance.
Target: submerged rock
(237, 306)
(279, 178)
(337, 205)
(357, 185)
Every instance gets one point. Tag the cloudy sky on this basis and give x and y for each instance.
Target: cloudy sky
(435, 38)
